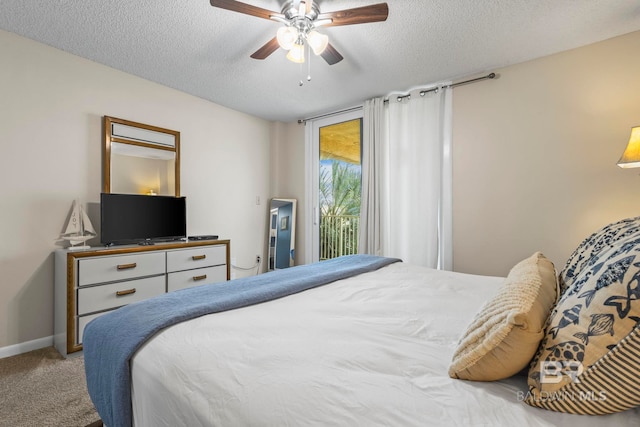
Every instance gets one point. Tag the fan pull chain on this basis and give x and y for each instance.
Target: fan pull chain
(309, 65)
(300, 83)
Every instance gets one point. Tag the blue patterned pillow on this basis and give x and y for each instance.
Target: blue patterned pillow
(589, 360)
(586, 254)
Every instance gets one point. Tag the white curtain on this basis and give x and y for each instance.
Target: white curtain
(370, 214)
(413, 184)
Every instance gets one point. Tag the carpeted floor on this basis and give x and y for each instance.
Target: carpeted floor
(41, 388)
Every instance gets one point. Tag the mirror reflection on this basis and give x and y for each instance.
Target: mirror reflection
(142, 170)
(140, 159)
(282, 233)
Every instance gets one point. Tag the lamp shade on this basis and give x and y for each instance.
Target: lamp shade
(631, 156)
(317, 41)
(286, 37)
(296, 54)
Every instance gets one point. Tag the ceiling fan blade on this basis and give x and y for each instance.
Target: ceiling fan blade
(266, 50)
(331, 55)
(359, 15)
(247, 9)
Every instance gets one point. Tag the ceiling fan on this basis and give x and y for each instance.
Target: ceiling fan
(300, 19)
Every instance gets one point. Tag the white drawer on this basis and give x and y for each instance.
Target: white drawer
(82, 322)
(200, 276)
(119, 267)
(203, 256)
(104, 297)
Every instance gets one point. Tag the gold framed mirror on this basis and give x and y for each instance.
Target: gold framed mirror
(140, 158)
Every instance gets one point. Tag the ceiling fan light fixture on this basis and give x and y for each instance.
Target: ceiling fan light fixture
(296, 54)
(287, 37)
(300, 19)
(317, 41)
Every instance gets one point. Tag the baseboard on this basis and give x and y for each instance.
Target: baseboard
(23, 347)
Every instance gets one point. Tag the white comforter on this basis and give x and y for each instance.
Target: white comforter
(370, 350)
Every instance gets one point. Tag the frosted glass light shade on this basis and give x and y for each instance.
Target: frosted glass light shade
(296, 54)
(286, 37)
(317, 41)
(631, 156)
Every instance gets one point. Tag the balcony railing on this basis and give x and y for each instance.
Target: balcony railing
(339, 235)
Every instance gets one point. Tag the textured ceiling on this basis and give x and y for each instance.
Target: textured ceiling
(190, 46)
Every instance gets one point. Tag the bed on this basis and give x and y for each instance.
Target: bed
(374, 348)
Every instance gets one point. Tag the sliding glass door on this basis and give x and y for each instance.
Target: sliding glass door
(335, 165)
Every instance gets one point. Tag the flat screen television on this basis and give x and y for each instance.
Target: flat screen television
(136, 218)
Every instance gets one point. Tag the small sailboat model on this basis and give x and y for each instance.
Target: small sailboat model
(79, 228)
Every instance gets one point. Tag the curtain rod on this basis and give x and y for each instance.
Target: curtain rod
(401, 97)
(451, 86)
(322, 116)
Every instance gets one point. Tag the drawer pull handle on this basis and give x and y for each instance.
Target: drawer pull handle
(196, 278)
(198, 257)
(127, 266)
(127, 292)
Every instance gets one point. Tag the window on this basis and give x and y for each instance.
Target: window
(335, 185)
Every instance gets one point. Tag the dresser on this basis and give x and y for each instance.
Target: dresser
(92, 282)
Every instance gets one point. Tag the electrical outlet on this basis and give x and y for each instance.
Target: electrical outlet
(258, 259)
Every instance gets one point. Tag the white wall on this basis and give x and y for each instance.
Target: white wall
(288, 175)
(535, 152)
(51, 110)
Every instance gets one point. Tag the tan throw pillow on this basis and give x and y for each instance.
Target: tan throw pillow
(505, 334)
(589, 359)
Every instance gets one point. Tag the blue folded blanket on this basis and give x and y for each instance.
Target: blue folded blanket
(112, 339)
